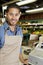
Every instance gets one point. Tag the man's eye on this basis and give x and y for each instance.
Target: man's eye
(16, 14)
(11, 14)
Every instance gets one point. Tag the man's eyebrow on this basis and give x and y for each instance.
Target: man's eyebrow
(13, 13)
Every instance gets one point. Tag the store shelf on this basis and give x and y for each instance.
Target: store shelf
(33, 28)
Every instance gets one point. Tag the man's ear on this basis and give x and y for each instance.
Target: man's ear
(19, 14)
(5, 14)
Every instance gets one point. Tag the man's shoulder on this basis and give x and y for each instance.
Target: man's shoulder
(19, 28)
(2, 27)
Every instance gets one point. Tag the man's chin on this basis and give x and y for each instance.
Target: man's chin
(13, 24)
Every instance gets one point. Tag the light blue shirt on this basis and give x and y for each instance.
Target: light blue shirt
(5, 29)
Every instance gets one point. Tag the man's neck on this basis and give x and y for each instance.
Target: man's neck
(12, 28)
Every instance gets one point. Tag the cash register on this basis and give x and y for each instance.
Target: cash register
(36, 55)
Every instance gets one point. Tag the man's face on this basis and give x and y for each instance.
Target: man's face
(13, 16)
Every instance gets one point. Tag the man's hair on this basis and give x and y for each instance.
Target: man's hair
(12, 6)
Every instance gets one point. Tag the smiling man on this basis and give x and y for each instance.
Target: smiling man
(11, 27)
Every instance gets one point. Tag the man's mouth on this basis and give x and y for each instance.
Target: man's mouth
(14, 20)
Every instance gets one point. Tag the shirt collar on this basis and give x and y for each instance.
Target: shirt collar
(6, 26)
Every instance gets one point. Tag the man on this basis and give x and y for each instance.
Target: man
(10, 27)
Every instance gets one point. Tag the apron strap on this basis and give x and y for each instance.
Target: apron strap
(8, 29)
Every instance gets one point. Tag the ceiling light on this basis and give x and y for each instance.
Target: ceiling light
(4, 7)
(37, 6)
(25, 2)
(24, 7)
(34, 10)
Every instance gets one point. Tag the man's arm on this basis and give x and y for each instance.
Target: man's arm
(1, 36)
(21, 57)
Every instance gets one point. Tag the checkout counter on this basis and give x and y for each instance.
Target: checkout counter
(36, 56)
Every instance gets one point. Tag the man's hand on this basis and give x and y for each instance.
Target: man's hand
(26, 62)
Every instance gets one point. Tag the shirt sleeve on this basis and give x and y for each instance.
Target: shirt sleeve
(21, 50)
(1, 36)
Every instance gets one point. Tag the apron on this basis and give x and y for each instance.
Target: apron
(9, 54)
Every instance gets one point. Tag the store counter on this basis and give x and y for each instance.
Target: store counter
(36, 56)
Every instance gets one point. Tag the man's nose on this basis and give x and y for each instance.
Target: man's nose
(13, 16)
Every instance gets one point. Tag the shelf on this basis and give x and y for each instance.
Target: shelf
(33, 24)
